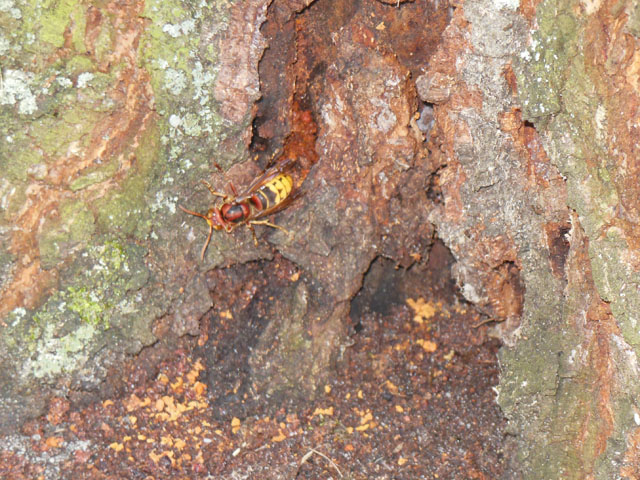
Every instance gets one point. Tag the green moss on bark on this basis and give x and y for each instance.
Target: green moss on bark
(73, 228)
(74, 325)
(99, 239)
(576, 140)
(561, 95)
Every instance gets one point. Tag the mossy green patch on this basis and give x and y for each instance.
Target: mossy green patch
(558, 93)
(100, 279)
(8, 27)
(183, 81)
(78, 64)
(53, 135)
(56, 355)
(16, 159)
(66, 233)
(572, 117)
(126, 211)
(617, 283)
(156, 44)
(87, 305)
(59, 15)
(103, 44)
(542, 68)
(51, 341)
(56, 133)
(94, 92)
(94, 174)
(633, 25)
(79, 115)
(577, 141)
(7, 260)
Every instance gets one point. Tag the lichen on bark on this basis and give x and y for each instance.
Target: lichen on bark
(89, 187)
(509, 191)
(578, 97)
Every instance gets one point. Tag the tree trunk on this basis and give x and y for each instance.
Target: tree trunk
(541, 211)
(505, 129)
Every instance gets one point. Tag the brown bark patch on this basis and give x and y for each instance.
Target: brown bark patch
(237, 86)
(613, 53)
(558, 245)
(598, 327)
(632, 455)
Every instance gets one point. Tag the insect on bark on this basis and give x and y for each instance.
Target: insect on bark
(267, 194)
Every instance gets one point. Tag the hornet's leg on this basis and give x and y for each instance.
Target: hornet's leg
(213, 192)
(217, 194)
(253, 232)
(268, 224)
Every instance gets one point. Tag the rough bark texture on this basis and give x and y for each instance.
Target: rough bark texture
(578, 87)
(113, 115)
(108, 119)
(541, 215)
(506, 128)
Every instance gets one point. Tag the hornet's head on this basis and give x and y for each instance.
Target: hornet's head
(214, 220)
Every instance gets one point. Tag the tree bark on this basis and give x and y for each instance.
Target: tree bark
(504, 128)
(541, 211)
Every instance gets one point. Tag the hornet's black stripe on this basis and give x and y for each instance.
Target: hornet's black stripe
(269, 195)
(260, 200)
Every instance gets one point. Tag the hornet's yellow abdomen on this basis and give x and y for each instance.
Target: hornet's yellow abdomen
(273, 192)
